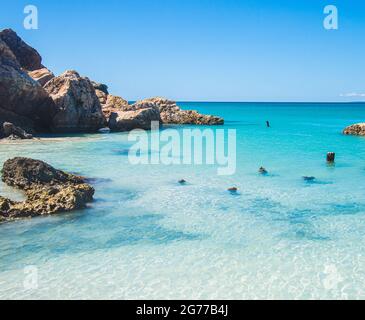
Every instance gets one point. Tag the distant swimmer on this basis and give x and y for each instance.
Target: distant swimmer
(268, 124)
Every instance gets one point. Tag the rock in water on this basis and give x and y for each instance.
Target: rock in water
(309, 179)
(356, 129)
(9, 130)
(48, 190)
(78, 107)
(172, 114)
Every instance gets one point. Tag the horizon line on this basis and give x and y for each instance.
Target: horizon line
(262, 102)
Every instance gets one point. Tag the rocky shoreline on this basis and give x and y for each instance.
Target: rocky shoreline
(35, 100)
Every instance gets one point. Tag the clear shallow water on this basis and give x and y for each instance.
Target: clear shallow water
(146, 237)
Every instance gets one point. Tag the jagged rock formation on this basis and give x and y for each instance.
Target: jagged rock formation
(48, 191)
(42, 76)
(23, 101)
(173, 114)
(356, 129)
(28, 58)
(114, 104)
(78, 107)
(32, 98)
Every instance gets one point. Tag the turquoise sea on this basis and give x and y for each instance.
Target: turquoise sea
(147, 237)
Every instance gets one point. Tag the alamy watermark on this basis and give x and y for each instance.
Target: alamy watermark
(31, 19)
(184, 147)
(330, 22)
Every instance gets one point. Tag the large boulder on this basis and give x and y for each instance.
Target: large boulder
(173, 114)
(78, 107)
(28, 58)
(121, 116)
(134, 119)
(48, 190)
(356, 129)
(20, 95)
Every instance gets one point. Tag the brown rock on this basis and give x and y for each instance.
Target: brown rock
(28, 58)
(78, 107)
(134, 119)
(101, 87)
(172, 114)
(114, 104)
(48, 191)
(101, 96)
(42, 76)
(356, 129)
(20, 95)
(11, 130)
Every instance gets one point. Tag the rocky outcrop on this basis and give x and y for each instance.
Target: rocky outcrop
(121, 116)
(356, 129)
(100, 87)
(13, 132)
(114, 104)
(32, 98)
(48, 191)
(134, 119)
(42, 76)
(28, 58)
(23, 101)
(78, 107)
(173, 114)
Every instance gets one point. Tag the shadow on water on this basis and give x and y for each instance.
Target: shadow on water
(36, 241)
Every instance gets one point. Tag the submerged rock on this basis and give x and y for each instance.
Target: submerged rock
(173, 114)
(78, 107)
(48, 190)
(309, 179)
(356, 129)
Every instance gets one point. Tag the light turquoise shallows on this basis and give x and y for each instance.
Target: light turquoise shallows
(146, 236)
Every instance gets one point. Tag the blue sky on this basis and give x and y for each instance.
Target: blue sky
(203, 50)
